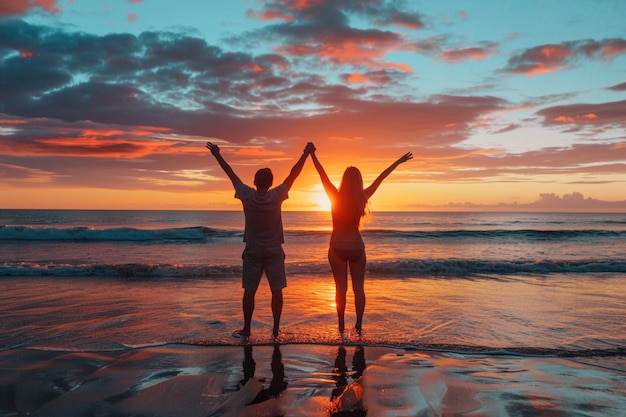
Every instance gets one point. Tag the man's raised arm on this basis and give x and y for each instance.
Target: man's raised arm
(297, 168)
(215, 150)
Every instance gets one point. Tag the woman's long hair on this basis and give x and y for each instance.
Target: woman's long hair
(351, 201)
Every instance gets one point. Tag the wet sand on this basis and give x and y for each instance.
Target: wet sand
(302, 380)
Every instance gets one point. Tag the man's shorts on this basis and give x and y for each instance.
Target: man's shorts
(257, 260)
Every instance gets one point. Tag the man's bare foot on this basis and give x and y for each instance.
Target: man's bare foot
(241, 333)
(275, 332)
(358, 330)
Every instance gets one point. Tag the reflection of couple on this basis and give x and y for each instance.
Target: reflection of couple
(277, 384)
(263, 233)
(347, 396)
(342, 378)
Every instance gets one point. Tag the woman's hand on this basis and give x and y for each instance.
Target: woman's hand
(405, 157)
(215, 150)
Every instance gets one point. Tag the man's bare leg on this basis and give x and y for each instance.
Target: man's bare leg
(248, 309)
(277, 309)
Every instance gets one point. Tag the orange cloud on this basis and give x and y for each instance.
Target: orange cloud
(574, 119)
(91, 141)
(301, 4)
(540, 60)
(551, 57)
(347, 52)
(268, 15)
(464, 54)
(254, 67)
(614, 49)
(22, 7)
(13, 121)
(256, 152)
(555, 52)
(357, 78)
(106, 148)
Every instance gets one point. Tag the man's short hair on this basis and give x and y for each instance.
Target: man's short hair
(264, 178)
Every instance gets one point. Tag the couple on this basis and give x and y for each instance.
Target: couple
(263, 233)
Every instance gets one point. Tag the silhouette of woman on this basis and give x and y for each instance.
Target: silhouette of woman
(352, 406)
(347, 249)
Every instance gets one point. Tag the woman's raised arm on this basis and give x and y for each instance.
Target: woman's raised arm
(369, 191)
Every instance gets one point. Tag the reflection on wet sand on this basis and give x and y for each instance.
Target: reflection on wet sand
(277, 384)
(347, 397)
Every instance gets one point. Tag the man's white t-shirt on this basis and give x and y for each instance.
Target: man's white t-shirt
(263, 220)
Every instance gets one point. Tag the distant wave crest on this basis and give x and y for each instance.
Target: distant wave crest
(120, 234)
(201, 233)
(449, 268)
(501, 234)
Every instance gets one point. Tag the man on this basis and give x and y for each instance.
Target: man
(263, 234)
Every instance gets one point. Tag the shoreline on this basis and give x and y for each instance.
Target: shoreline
(300, 380)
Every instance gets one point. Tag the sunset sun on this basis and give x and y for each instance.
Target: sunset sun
(321, 200)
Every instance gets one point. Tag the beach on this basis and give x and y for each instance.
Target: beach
(145, 348)
(302, 380)
(132, 314)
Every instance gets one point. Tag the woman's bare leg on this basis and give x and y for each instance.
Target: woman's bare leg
(357, 273)
(340, 273)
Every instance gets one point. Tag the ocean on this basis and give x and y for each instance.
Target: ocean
(565, 274)
(207, 244)
(498, 285)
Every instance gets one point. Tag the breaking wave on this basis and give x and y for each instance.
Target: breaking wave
(407, 268)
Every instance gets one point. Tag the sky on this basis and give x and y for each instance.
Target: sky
(505, 105)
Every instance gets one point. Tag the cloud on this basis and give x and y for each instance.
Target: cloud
(574, 202)
(322, 28)
(22, 7)
(380, 12)
(550, 58)
(463, 54)
(598, 114)
(618, 87)
(133, 111)
(179, 82)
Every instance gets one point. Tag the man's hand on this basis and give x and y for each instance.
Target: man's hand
(310, 148)
(215, 150)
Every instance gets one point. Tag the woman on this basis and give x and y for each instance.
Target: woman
(347, 249)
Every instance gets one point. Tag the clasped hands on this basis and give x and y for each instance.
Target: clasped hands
(309, 148)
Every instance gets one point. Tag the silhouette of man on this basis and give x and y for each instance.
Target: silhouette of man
(263, 234)
(277, 384)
